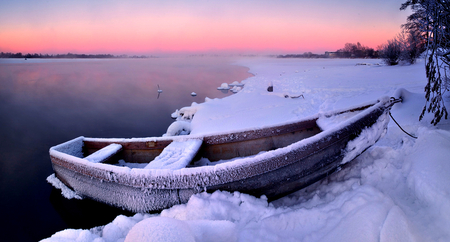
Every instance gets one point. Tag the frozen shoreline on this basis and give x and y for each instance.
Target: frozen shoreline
(397, 190)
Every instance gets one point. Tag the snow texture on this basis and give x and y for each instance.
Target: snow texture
(326, 122)
(65, 191)
(178, 128)
(72, 147)
(176, 155)
(104, 153)
(223, 86)
(367, 138)
(398, 190)
(236, 89)
(172, 175)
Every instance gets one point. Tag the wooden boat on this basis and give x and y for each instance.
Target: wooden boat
(272, 161)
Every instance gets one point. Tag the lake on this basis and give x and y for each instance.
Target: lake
(44, 102)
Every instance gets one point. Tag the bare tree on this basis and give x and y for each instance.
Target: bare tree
(411, 44)
(356, 51)
(391, 51)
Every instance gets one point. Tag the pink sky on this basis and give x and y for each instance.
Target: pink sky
(146, 27)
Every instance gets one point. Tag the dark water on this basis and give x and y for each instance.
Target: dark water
(47, 102)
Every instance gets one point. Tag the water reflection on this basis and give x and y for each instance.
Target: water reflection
(84, 213)
(46, 103)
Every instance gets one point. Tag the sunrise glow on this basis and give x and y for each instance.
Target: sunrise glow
(195, 26)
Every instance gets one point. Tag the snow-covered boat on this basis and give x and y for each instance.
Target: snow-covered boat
(151, 174)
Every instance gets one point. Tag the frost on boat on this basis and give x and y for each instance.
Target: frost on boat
(151, 174)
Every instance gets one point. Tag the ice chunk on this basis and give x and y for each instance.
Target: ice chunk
(236, 89)
(236, 84)
(224, 86)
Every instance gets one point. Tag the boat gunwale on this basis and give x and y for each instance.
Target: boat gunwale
(213, 175)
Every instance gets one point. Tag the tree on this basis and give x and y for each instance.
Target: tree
(391, 52)
(407, 47)
(411, 44)
(432, 18)
(356, 51)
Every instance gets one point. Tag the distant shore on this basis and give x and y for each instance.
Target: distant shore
(68, 56)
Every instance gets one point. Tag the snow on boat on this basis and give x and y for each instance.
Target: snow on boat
(151, 174)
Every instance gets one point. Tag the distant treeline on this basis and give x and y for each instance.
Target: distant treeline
(349, 51)
(65, 56)
(304, 55)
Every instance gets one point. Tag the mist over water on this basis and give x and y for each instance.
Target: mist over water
(47, 102)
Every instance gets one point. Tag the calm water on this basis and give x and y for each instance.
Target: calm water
(47, 102)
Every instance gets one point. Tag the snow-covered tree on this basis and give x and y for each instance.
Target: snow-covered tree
(432, 18)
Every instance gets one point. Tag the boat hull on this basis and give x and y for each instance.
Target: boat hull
(312, 163)
(274, 174)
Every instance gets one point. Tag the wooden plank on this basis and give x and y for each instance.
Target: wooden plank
(255, 143)
(104, 154)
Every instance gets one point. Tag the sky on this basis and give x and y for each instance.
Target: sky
(200, 26)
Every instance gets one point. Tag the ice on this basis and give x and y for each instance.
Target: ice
(223, 86)
(398, 190)
(236, 89)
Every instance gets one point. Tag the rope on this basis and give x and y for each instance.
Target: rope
(400, 126)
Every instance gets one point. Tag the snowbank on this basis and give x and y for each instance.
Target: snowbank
(398, 190)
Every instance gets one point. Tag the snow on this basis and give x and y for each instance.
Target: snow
(176, 155)
(398, 190)
(185, 113)
(326, 122)
(223, 86)
(65, 191)
(178, 128)
(236, 89)
(72, 147)
(160, 229)
(104, 153)
(368, 137)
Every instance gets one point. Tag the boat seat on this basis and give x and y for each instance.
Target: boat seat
(104, 154)
(176, 155)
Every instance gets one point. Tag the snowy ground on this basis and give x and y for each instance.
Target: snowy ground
(398, 190)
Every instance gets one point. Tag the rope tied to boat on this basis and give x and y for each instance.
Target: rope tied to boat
(394, 101)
